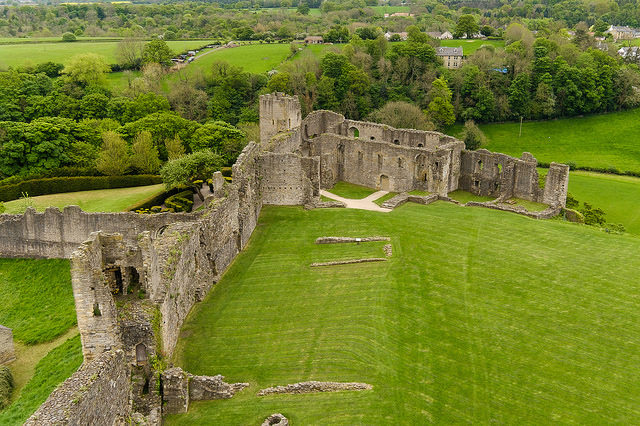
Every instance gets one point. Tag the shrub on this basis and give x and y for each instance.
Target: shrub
(181, 202)
(473, 136)
(2, 208)
(226, 171)
(156, 200)
(6, 386)
(57, 185)
(68, 37)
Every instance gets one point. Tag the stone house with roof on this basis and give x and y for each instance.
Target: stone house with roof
(451, 56)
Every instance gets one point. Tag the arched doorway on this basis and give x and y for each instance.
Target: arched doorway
(384, 183)
(354, 132)
(141, 354)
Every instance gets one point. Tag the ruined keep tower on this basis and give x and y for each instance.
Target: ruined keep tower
(278, 113)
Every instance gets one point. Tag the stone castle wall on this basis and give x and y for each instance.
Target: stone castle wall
(278, 113)
(96, 394)
(56, 234)
(173, 260)
(7, 352)
(501, 176)
(402, 160)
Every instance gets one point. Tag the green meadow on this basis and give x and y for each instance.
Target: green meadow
(470, 46)
(480, 316)
(618, 196)
(603, 140)
(34, 53)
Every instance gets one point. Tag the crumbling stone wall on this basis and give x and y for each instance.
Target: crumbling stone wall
(289, 179)
(56, 234)
(278, 113)
(180, 388)
(246, 181)
(96, 394)
(501, 176)
(380, 156)
(7, 353)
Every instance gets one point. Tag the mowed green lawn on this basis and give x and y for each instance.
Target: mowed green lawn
(32, 54)
(101, 200)
(479, 317)
(618, 196)
(605, 140)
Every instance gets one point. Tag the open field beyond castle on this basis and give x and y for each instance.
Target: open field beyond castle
(20, 54)
(602, 140)
(479, 316)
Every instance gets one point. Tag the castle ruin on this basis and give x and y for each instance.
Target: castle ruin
(136, 277)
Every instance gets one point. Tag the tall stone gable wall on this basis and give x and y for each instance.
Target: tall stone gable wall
(96, 394)
(56, 234)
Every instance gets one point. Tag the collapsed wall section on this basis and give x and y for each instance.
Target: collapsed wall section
(96, 394)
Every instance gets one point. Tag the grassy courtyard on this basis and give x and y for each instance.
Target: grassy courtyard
(100, 200)
(480, 316)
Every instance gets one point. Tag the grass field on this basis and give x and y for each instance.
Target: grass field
(101, 200)
(37, 301)
(20, 40)
(52, 370)
(618, 196)
(381, 10)
(385, 197)
(479, 317)
(350, 190)
(604, 140)
(470, 46)
(31, 54)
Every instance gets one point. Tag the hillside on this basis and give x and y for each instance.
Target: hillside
(480, 316)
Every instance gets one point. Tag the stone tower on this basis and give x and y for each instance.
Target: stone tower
(278, 113)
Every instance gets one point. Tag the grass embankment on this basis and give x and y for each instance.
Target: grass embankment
(618, 196)
(34, 53)
(37, 303)
(480, 316)
(37, 300)
(603, 141)
(350, 190)
(50, 371)
(101, 200)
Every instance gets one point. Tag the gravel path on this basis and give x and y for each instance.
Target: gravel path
(363, 204)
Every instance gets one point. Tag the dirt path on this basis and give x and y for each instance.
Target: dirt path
(363, 204)
(28, 356)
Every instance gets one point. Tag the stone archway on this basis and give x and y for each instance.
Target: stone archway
(384, 183)
(354, 132)
(141, 354)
